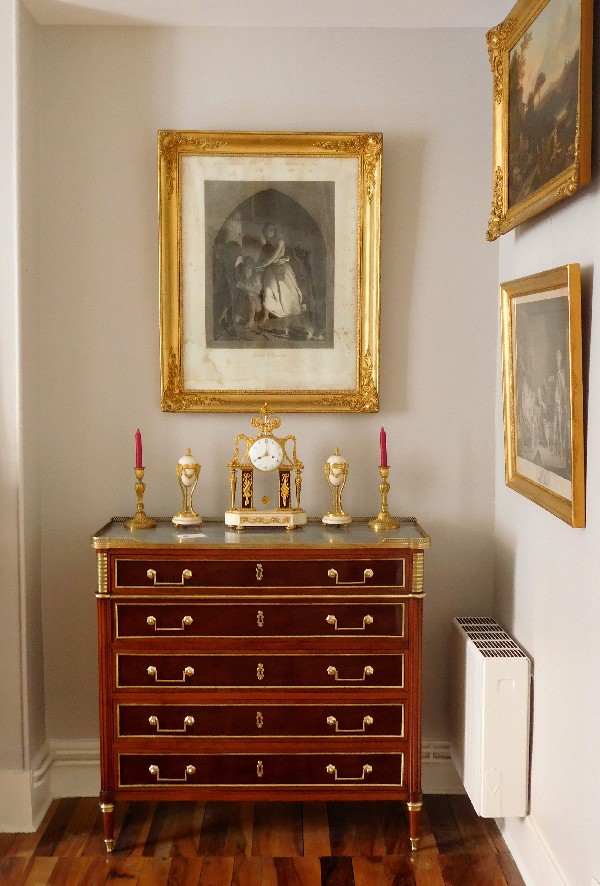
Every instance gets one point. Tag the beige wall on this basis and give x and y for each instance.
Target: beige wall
(22, 719)
(547, 585)
(104, 94)
(11, 733)
(31, 380)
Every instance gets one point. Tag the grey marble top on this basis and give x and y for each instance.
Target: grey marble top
(213, 533)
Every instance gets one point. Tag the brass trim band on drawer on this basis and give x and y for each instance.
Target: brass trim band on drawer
(151, 573)
(332, 770)
(262, 716)
(187, 672)
(378, 595)
(333, 573)
(187, 721)
(367, 721)
(367, 672)
(154, 770)
(332, 620)
(186, 621)
(267, 573)
(331, 671)
(204, 612)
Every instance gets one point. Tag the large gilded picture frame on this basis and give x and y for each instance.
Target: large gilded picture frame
(269, 271)
(542, 390)
(541, 59)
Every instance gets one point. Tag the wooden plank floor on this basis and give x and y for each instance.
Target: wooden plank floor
(259, 844)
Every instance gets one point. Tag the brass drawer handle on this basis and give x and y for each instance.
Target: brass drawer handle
(260, 769)
(187, 573)
(188, 721)
(260, 671)
(333, 573)
(187, 672)
(259, 720)
(259, 572)
(186, 621)
(366, 770)
(260, 619)
(367, 721)
(332, 620)
(189, 770)
(333, 672)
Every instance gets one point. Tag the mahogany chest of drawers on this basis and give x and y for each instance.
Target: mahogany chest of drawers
(260, 665)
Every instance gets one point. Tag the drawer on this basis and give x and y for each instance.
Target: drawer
(177, 574)
(180, 671)
(260, 721)
(157, 619)
(189, 770)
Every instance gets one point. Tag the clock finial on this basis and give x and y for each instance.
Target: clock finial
(267, 425)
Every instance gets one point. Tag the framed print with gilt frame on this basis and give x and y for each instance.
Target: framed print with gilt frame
(541, 59)
(542, 390)
(269, 271)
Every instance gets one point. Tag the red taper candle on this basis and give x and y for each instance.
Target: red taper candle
(383, 447)
(138, 449)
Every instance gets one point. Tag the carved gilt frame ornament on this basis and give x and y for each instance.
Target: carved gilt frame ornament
(542, 108)
(269, 271)
(543, 390)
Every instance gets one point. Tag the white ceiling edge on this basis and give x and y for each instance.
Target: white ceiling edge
(273, 13)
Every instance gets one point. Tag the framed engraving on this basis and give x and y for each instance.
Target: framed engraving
(541, 59)
(542, 389)
(269, 271)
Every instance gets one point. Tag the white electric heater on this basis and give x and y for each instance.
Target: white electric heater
(489, 741)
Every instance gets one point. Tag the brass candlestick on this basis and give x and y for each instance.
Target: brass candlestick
(141, 519)
(384, 520)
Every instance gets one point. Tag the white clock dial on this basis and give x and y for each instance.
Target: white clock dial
(265, 454)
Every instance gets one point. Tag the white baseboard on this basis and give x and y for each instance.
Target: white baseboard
(439, 775)
(531, 853)
(75, 768)
(16, 809)
(72, 769)
(25, 795)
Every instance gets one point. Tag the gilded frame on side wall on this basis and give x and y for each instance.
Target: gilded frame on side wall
(269, 271)
(542, 390)
(541, 60)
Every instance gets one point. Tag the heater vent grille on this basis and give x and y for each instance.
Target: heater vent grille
(490, 638)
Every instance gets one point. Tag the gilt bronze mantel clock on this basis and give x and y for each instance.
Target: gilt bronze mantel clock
(265, 478)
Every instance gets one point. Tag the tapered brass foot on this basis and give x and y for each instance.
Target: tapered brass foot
(414, 814)
(108, 812)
